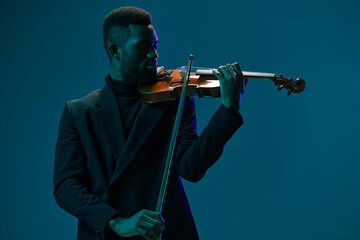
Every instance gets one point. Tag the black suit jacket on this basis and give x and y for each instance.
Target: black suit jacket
(94, 180)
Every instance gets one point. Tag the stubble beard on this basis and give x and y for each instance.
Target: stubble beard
(132, 72)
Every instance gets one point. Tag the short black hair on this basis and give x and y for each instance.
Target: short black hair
(115, 26)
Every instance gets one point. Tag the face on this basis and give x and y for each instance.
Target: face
(139, 55)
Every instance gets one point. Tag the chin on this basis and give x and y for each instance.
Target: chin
(148, 77)
(148, 80)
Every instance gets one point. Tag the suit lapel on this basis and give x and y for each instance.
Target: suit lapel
(109, 114)
(148, 117)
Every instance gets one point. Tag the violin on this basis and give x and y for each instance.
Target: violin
(203, 83)
(179, 83)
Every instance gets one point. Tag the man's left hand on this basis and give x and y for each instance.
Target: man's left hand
(232, 85)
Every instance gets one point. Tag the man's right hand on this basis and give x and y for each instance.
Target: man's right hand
(146, 223)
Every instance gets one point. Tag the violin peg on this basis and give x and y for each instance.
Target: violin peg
(289, 92)
(291, 80)
(280, 87)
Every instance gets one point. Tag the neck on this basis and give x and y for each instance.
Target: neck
(115, 72)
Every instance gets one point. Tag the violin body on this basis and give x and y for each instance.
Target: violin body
(170, 82)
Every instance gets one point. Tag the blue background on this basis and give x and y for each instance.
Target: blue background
(290, 172)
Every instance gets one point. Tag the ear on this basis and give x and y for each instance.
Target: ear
(114, 50)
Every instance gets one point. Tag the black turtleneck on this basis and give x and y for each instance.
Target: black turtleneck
(128, 99)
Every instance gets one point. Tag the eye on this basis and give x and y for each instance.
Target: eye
(146, 45)
(142, 45)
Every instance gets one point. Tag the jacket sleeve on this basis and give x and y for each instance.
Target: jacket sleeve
(194, 155)
(70, 179)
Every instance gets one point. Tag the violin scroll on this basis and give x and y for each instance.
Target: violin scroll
(296, 86)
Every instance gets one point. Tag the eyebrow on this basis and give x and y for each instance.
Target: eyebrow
(147, 41)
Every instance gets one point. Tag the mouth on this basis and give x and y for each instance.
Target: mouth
(152, 65)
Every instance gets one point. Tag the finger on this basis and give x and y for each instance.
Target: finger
(155, 225)
(152, 214)
(157, 216)
(143, 233)
(146, 232)
(238, 69)
(217, 74)
(162, 221)
(147, 212)
(148, 220)
(225, 72)
(232, 71)
(150, 236)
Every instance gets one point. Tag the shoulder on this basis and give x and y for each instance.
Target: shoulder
(88, 101)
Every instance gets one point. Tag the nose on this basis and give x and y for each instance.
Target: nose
(152, 54)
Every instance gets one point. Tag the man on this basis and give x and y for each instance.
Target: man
(111, 149)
